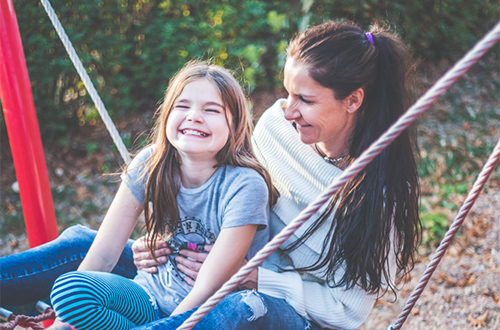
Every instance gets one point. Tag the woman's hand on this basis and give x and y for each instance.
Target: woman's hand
(143, 258)
(250, 282)
(189, 263)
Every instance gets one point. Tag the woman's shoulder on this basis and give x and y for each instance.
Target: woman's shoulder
(272, 126)
(273, 112)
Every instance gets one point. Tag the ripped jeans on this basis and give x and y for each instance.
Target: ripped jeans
(243, 310)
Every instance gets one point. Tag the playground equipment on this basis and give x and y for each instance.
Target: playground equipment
(24, 134)
(412, 114)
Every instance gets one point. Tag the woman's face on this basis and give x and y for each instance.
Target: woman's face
(320, 118)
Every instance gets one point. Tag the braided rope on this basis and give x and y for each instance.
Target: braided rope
(450, 234)
(86, 81)
(375, 148)
(28, 321)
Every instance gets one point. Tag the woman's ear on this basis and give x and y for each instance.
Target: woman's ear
(355, 100)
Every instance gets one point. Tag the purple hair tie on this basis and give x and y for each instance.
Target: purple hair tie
(369, 36)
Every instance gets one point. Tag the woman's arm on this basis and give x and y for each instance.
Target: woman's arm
(225, 258)
(115, 229)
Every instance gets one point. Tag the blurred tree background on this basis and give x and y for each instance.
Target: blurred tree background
(131, 48)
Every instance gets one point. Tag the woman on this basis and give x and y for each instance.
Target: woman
(345, 88)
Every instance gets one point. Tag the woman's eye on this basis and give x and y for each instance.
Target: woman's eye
(304, 100)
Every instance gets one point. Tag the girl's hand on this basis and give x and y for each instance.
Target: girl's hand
(143, 259)
(189, 263)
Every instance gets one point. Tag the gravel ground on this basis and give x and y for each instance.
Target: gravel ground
(464, 291)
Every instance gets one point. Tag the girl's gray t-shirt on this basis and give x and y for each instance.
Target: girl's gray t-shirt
(233, 196)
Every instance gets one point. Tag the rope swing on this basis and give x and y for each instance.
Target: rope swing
(86, 81)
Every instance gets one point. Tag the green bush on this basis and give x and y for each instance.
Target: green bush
(130, 48)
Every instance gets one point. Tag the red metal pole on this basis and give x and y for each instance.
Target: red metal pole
(24, 135)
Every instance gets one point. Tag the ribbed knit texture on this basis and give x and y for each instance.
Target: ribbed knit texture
(300, 175)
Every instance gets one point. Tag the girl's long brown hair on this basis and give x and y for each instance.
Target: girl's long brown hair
(163, 166)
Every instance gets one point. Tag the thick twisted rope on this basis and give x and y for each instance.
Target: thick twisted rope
(359, 164)
(86, 81)
(28, 321)
(483, 177)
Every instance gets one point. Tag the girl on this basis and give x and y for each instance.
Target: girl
(204, 186)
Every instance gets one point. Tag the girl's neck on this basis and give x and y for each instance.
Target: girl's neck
(194, 173)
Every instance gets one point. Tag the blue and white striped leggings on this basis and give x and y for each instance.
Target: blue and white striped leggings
(97, 300)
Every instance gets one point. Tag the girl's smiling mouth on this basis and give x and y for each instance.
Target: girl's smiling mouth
(189, 131)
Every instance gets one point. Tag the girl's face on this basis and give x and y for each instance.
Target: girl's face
(319, 116)
(198, 123)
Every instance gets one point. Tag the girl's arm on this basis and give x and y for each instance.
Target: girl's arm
(115, 229)
(225, 258)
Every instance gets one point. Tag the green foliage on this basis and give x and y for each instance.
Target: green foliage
(130, 48)
(434, 226)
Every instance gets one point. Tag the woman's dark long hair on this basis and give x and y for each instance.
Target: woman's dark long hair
(376, 213)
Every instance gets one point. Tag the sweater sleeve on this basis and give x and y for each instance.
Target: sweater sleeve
(326, 306)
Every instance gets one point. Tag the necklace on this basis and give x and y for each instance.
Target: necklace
(328, 159)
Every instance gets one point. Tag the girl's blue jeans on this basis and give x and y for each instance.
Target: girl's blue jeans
(28, 276)
(242, 310)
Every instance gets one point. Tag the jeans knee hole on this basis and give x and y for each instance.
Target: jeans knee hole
(255, 303)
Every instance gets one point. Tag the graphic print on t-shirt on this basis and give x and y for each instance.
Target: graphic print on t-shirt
(191, 234)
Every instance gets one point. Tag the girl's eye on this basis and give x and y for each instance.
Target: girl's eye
(212, 110)
(180, 106)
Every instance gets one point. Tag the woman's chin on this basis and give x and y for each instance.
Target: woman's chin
(307, 139)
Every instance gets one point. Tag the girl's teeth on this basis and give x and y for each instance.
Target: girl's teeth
(188, 131)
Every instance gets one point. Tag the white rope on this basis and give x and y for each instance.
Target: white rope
(359, 164)
(86, 81)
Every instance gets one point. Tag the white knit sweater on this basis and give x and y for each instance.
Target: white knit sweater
(300, 175)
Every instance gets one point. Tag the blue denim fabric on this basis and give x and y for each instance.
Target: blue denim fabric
(28, 276)
(243, 310)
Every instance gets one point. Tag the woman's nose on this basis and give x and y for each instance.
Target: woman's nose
(291, 111)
